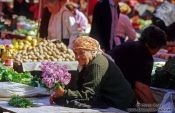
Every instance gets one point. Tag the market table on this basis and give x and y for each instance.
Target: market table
(43, 106)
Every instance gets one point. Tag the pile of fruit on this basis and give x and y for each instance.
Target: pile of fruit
(23, 44)
(139, 23)
(46, 51)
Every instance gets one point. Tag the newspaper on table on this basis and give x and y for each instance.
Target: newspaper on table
(166, 12)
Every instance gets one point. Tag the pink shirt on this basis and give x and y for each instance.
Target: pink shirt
(114, 23)
(125, 28)
(81, 20)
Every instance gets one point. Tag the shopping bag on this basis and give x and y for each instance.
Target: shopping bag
(167, 105)
(166, 12)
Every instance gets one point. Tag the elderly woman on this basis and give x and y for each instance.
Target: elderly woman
(100, 84)
(62, 25)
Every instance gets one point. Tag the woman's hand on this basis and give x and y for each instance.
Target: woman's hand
(56, 94)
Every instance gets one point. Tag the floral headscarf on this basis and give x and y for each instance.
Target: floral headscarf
(86, 43)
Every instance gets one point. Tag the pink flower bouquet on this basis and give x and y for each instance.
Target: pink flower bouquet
(54, 75)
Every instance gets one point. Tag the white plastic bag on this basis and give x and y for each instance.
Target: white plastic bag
(167, 105)
(8, 89)
(166, 12)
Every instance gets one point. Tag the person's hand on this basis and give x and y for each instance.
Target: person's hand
(56, 94)
(60, 91)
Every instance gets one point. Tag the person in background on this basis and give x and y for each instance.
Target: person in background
(125, 30)
(43, 30)
(136, 62)
(62, 25)
(80, 18)
(104, 23)
(7, 9)
(21, 8)
(1, 8)
(100, 82)
(91, 6)
(83, 6)
(45, 17)
(34, 9)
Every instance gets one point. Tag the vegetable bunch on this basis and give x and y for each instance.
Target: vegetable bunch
(12, 76)
(54, 75)
(20, 102)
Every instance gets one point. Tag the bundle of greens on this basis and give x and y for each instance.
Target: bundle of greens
(20, 102)
(12, 76)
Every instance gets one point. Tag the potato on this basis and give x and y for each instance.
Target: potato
(59, 60)
(66, 59)
(30, 57)
(58, 46)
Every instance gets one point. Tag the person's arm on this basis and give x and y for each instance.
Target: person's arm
(89, 87)
(130, 32)
(144, 93)
(69, 21)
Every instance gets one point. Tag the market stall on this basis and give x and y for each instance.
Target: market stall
(23, 52)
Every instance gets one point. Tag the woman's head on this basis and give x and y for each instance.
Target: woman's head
(85, 49)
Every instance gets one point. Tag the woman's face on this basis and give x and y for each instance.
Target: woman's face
(83, 56)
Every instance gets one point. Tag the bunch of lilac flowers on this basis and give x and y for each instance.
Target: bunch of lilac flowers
(54, 74)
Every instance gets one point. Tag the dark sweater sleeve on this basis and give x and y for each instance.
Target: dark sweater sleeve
(90, 86)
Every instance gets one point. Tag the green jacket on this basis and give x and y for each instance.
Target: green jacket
(101, 84)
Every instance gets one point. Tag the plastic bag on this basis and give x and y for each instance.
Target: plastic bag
(167, 105)
(166, 12)
(7, 89)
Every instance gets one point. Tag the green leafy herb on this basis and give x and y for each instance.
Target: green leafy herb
(20, 102)
(12, 76)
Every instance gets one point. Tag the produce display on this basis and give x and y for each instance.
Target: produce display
(46, 51)
(20, 102)
(24, 44)
(26, 27)
(167, 52)
(139, 23)
(12, 76)
(165, 56)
